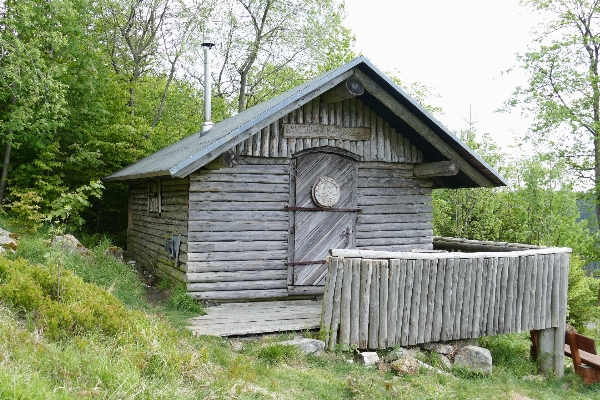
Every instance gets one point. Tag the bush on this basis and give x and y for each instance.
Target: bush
(63, 304)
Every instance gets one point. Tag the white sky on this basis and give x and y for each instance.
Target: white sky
(458, 48)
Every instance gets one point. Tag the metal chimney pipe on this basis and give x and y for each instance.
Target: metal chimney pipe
(207, 88)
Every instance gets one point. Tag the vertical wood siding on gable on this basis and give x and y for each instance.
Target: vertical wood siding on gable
(148, 231)
(385, 143)
(238, 230)
(397, 212)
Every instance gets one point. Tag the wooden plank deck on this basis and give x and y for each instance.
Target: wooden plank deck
(237, 319)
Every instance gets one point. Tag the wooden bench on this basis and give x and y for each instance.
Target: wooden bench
(582, 350)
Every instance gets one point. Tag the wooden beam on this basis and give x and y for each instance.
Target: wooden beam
(350, 88)
(420, 127)
(440, 168)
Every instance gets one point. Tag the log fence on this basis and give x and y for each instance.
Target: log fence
(377, 300)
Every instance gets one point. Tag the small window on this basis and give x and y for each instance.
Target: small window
(154, 200)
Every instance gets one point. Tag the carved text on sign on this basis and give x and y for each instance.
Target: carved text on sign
(326, 192)
(326, 132)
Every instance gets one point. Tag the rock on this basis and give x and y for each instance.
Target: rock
(383, 366)
(412, 351)
(308, 346)
(406, 365)
(440, 348)
(236, 345)
(474, 358)
(69, 242)
(367, 358)
(445, 362)
(394, 355)
(7, 242)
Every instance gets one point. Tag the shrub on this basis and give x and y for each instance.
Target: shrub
(62, 308)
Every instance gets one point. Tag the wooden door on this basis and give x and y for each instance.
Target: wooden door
(321, 223)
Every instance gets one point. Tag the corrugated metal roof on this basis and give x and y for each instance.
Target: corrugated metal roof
(184, 157)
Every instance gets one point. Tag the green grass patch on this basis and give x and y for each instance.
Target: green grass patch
(93, 335)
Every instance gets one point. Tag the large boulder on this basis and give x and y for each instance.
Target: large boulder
(69, 242)
(7, 242)
(307, 346)
(474, 358)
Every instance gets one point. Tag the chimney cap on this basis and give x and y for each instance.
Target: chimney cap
(208, 44)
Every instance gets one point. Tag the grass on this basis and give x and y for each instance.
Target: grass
(149, 354)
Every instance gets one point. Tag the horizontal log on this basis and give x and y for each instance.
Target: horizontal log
(230, 196)
(241, 285)
(306, 290)
(245, 236)
(233, 216)
(235, 187)
(360, 234)
(392, 241)
(239, 294)
(236, 246)
(374, 165)
(234, 276)
(238, 226)
(350, 253)
(363, 200)
(395, 218)
(230, 266)
(242, 178)
(240, 256)
(440, 168)
(237, 205)
(397, 209)
(370, 173)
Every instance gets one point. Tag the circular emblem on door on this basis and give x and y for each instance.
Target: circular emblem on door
(326, 192)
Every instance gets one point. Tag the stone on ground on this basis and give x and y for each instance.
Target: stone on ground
(69, 242)
(366, 358)
(474, 358)
(406, 365)
(307, 346)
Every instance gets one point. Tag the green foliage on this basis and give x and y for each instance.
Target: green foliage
(582, 300)
(276, 353)
(68, 207)
(180, 300)
(27, 210)
(63, 304)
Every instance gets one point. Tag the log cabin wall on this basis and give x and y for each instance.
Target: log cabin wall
(239, 229)
(396, 209)
(148, 230)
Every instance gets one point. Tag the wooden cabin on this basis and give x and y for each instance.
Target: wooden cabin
(250, 208)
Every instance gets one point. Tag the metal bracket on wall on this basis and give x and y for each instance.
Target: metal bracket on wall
(172, 247)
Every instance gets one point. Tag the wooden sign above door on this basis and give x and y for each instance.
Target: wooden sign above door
(326, 132)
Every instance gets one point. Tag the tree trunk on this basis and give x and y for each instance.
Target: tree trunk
(6, 162)
(242, 98)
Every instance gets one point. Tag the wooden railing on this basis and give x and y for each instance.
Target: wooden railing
(377, 299)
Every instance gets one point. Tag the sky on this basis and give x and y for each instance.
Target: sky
(459, 49)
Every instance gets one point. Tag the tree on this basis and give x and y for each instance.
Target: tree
(563, 92)
(32, 97)
(261, 41)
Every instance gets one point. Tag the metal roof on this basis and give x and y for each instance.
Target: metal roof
(187, 155)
